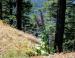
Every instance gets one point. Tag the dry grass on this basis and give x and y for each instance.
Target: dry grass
(13, 39)
(61, 55)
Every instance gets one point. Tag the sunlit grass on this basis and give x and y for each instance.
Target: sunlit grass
(17, 50)
(15, 43)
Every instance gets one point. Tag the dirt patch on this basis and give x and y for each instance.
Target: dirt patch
(61, 55)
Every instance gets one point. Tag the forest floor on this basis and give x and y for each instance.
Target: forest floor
(57, 55)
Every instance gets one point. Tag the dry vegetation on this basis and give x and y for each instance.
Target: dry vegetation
(15, 42)
(62, 55)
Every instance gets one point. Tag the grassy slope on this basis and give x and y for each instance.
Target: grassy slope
(14, 42)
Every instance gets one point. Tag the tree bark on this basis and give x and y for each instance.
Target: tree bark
(1, 9)
(19, 14)
(10, 2)
(60, 25)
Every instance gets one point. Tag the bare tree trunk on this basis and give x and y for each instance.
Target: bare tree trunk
(19, 14)
(1, 9)
(60, 25)
(10, 7)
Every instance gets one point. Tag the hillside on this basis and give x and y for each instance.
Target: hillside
(11, 38)
(38, 3)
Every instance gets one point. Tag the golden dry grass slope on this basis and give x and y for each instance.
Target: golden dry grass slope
(11, 38)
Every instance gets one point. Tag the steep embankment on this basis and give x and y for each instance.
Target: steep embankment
(11, 38)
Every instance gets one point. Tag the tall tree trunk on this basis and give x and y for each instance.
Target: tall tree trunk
(10, 7)
(60, 25)
(19, 14)
(1, 9)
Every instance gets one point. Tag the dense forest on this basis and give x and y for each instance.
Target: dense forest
(52, 21)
